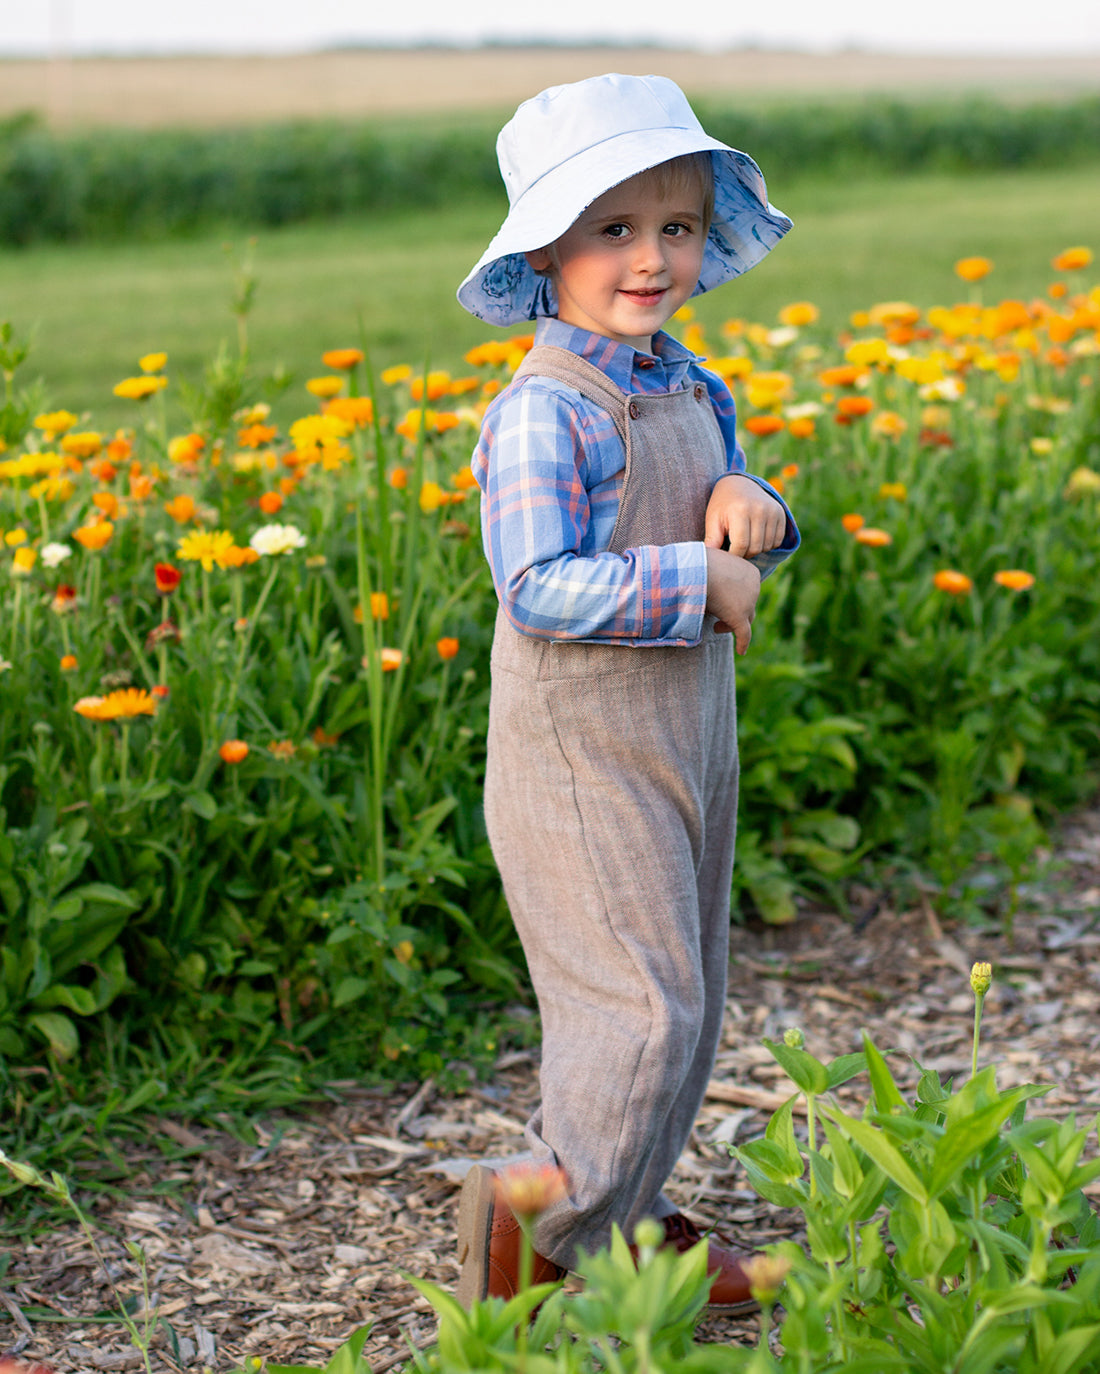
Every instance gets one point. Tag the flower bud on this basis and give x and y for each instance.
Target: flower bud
(528, 1189)
(981, 979)
(766, 1275)
(649, 1234)
(793, 1038)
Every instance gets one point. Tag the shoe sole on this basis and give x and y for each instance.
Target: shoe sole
(733, 1309)
(475, 1227)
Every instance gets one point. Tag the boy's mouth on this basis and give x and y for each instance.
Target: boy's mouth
(645, 295)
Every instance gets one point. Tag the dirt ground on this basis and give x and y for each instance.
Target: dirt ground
(284, 1249)
(146, 92)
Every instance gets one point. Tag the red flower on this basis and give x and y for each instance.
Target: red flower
(168, 578)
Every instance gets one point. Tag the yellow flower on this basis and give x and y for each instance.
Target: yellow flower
(1083, 481)
(379, 606)
(84, 445)
(342, 359)
(24, 561)
(1072, 260)
(94, 537)
(868, 352)
(153, 362)
(125, 704)
(140, 388)
(973, 269)
(889, 424)
(318, 431)
(432, 497)
(325, 387)
(402, 371)
(893, 491)
(14, 538)
(205, 547)
(1015, 579)
(55, 421)
(766, 1275)
(981, 979)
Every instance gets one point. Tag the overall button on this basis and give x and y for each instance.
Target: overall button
(700, 391)
(635, 410)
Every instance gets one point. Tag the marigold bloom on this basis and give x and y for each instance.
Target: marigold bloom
(24, 560)
(125, 704)
(139, 388)
(271, 502)
(235, 557)
(1083, 481)
(873, 538)
(464, 479)
(256, 436)
(761, 425)
(160, 692)
(322, 739)
(342, 359)
(956, 583)
(529, 1189)
(282, 749)
(888, 424)
(94, 537)
(181, 508)
(85, 445)
(802, 427)
(766, 1275)
(867, 352)
(89, 707)
(119, 449)
(973, 269)
(379, 606)
(852, 522)
(446, 648)
(152, 362)
(204, 546)
(68, 663)
(106, 502)
(391, 659)
(399, 479)
(401, 372)
(53, 554)
(844, 374)
(852, 407)
(325, 388)
(185, 448)
(55, 421)
(1015, 579)
(799, 313)
(431, 497)
(103, 471)
(981, 979)
(1072, 260)
(438, 384)
(233, 751)
(14, 538)
(272, 540)
(893, 491)
(789, 471)
(64, 600)
(167, 578)
(353, 410)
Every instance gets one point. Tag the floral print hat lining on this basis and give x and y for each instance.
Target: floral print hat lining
(565, 147)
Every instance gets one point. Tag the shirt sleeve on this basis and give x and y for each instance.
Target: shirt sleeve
(726, 412)
(533, 465)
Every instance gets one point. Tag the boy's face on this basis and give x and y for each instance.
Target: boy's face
(629, 262)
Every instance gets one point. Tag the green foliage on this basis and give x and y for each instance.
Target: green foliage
(120, 183)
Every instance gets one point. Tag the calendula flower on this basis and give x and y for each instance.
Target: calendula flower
(527, 1190)
(324, 387)
(233, 751)
(64, 600)
(446, 648)
(14, 538)
(181, 508)
(125, 704)
(852, 522)
(955, 583)
(167, 578)
(799, 313)
(844, 374)
(55, 421)
(766, 1275)
(399, 479)
(186, 448)
(235, 557)
(85, 445)
(379, 606)
(431, 497)
(1072, 260)
(981, 979)
(852, 407)
(68, 663)
(204, 546)
(342, 359)
(888, 424)
(868, 352)
(973, 269)
(106, 502)
(140, 388)
(153, 362)
(271, 502)
(761, 425)
(873, 538)
(789, 471)
(94, 537)
(464, 479)
(53, 554)
(1083, 481)
(89, 707)
(391, 659)
(282, 749)
(802, 427)
(276, 539)
(1015, 579)
(402, 371)
(893, 491)
(24, 560)
(353, 410)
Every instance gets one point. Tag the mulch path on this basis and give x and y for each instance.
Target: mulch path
(283, 1249)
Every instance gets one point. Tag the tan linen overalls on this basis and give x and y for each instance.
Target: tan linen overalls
(611, 802)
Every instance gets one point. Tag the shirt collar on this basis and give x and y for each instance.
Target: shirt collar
(618, 361)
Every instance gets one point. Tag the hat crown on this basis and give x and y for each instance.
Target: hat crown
(558, 124)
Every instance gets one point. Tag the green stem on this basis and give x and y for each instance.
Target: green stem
(979, 998)
(124, 759)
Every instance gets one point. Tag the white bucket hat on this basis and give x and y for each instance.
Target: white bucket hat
(565, 147)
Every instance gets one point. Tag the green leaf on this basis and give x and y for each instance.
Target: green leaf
(844, 1067)
(887, 1096)
(58, 1030)
(889, 1159)
(349, 989)
(802, 1068)
(204, 805)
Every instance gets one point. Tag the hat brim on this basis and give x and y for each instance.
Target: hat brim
(503, 289)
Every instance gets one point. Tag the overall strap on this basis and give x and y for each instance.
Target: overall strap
(560, 365)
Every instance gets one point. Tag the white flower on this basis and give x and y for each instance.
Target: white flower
(4, 665)
(272, 539)
(54, 554)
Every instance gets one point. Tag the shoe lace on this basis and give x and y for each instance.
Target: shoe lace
(680, 1230)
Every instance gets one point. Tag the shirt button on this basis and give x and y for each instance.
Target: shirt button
(700, 391)
(635, 410)
(647, 364)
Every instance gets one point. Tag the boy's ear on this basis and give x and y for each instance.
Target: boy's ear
(539, 260)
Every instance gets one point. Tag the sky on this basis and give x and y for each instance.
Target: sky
(45, 27)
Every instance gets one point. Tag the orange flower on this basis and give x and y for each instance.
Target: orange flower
(181, 509)
(529, 1189)
(852, 522)
(342, 359)
(124, 704)
(85, 445)
(322, 739)
(845, 374)
(118, 450)
(973, 269)
(798, 313)
(107, 502)
(160, 692)
(1072, 260)
(464, 479)
(874, 539)
(392, 659)
(802, 427)
(438, 384)
(256, 436)
(1015, 579)
(851, 407)
(324, 387)
(141, 486)
(446, 648)
(64, 600)
(94, 537)
(399, 479)
(233, 751)
(765, 424)
(68, 663)
(271, 503)
(167, 578)
(789, 471)
(379, 606)
(185, 448)
(283, 748)
(236, 557)
(355, 410)
(956, 583)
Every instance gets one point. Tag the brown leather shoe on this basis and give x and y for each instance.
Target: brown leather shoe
(729, 1287)
(489, 1244)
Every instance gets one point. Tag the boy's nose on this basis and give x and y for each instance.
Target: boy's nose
(649, 255)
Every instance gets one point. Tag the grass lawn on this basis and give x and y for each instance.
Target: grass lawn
(94, 309)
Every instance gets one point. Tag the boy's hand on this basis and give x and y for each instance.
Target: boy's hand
(742, 512)
(732, 588)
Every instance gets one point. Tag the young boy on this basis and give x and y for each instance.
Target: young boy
(617, 517)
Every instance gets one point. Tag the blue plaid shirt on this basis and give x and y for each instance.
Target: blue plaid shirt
(550, 465)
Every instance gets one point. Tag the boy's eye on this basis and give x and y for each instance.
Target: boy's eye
(675, 228)
(616, 231)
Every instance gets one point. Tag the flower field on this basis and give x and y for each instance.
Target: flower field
(244, 668)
